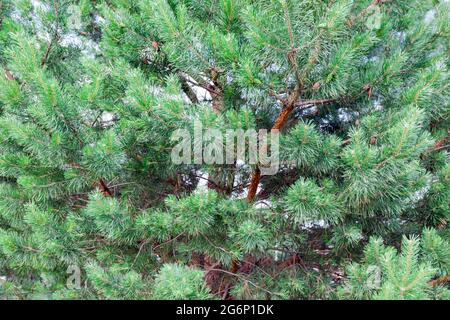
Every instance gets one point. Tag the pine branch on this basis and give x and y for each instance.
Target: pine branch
(105, 189)
(216, 91)
(310, 103)
(8, 74)
(439, 281)
(54, 37)
(47, 52)
(440, 148)
(256, 177)
(202, 85)
(187, 89)
(289, 105)
(288, 23)
(241, 277)
(372, 6)
(100, 183)
(292, 260)
(439, 145)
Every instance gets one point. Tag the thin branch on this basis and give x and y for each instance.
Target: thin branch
(210, 182)
(243, 278)
(439, 281)
(439, 148)
(54, 37)
(256, 177)
(439, 145)
(47, 52)
(288, 104)
(187, 89)
(288, 24)
(206, 87)
(105, 189)
(9, 75)
(139, 252)
(350, 22)
(304, 103)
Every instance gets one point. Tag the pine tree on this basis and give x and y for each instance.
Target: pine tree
(93, 207)
(387, 275)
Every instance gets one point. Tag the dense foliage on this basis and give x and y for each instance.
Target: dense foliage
(92, 207)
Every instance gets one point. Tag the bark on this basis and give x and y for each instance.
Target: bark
(374, 3)
(104, 188)
(439, 145)
(439, 281)
(295, 259)
(216, 92)
(256, 176)
(289, 105)
(187, 89)
(46, 54)
(9, 75)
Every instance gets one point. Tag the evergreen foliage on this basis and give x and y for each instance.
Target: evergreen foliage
(92, 206)
(385, 274)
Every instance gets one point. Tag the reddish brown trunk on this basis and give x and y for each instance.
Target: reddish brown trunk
(279, 123)
(282, 118)
(254, 185)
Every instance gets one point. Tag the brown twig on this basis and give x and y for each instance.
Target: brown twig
(9, 75)
(105, 189)
(47, 52)
(289, 105)
(216, 91)
(439, 145)
(240, 277)
(187, 89)
(304, 103)
(295, 259)
(439, 281)
(350, 22)
(54, 37)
